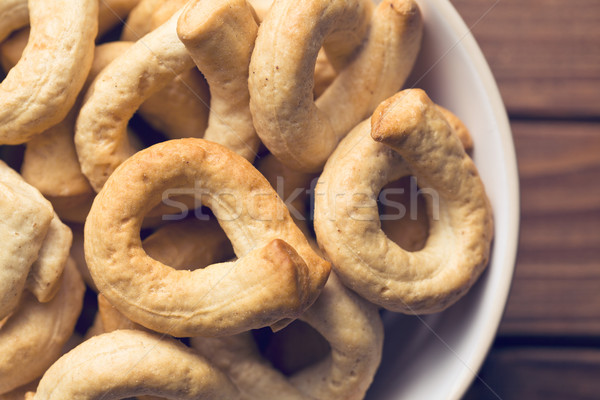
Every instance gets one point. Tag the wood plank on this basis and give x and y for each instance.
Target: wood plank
(556, 287)
(545, 54)
(538, 373)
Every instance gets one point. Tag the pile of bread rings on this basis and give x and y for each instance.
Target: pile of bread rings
(188, 243)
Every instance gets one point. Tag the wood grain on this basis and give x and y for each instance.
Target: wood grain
(539, 373)
(545, 54)
(556, 288)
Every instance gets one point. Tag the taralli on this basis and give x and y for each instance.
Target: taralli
(128, 363)
(14, 15)
(277, 274)
(415, 139)
(350, 324)
(299, 131)
(50, 162)
(180, 109)
(220, 37)
(41, 89)
(44, 277)
(25, 219)
(150, 64)
(118, 91)
(34, 336)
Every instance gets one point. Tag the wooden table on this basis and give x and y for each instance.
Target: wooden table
(545, 55)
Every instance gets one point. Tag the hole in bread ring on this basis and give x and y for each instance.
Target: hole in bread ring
(373, 55)
(277, 274)
(41, 89)
(127, 363)
(350, 324)
(419, 142)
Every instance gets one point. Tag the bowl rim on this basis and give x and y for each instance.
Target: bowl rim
(503, 285)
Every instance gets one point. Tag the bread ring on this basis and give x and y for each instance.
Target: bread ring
(143, 289)
(220, 37)
(34, 336)
(301, 132)
(180, 109)
(50, 162)
(41, 89)
(457, 249)
(25, 218)
(101, 128)
(127, 363)
(350, 324)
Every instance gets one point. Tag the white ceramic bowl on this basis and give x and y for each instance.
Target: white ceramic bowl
(438, 356)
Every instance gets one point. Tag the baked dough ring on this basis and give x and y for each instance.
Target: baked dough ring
(300, 132)
(180, 109)
(457, 250)
(101, 128)
(41, 89)
(128, 363)
(273, 279)
(220, 37)
(34, 336)
(350, 324)
(25, 218)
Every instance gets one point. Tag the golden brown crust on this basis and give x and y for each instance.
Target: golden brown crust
(300, 132)
(34, 336)
(40, 90)
(460, 217)
(142, 288)
(139, 363)
(220, 37)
